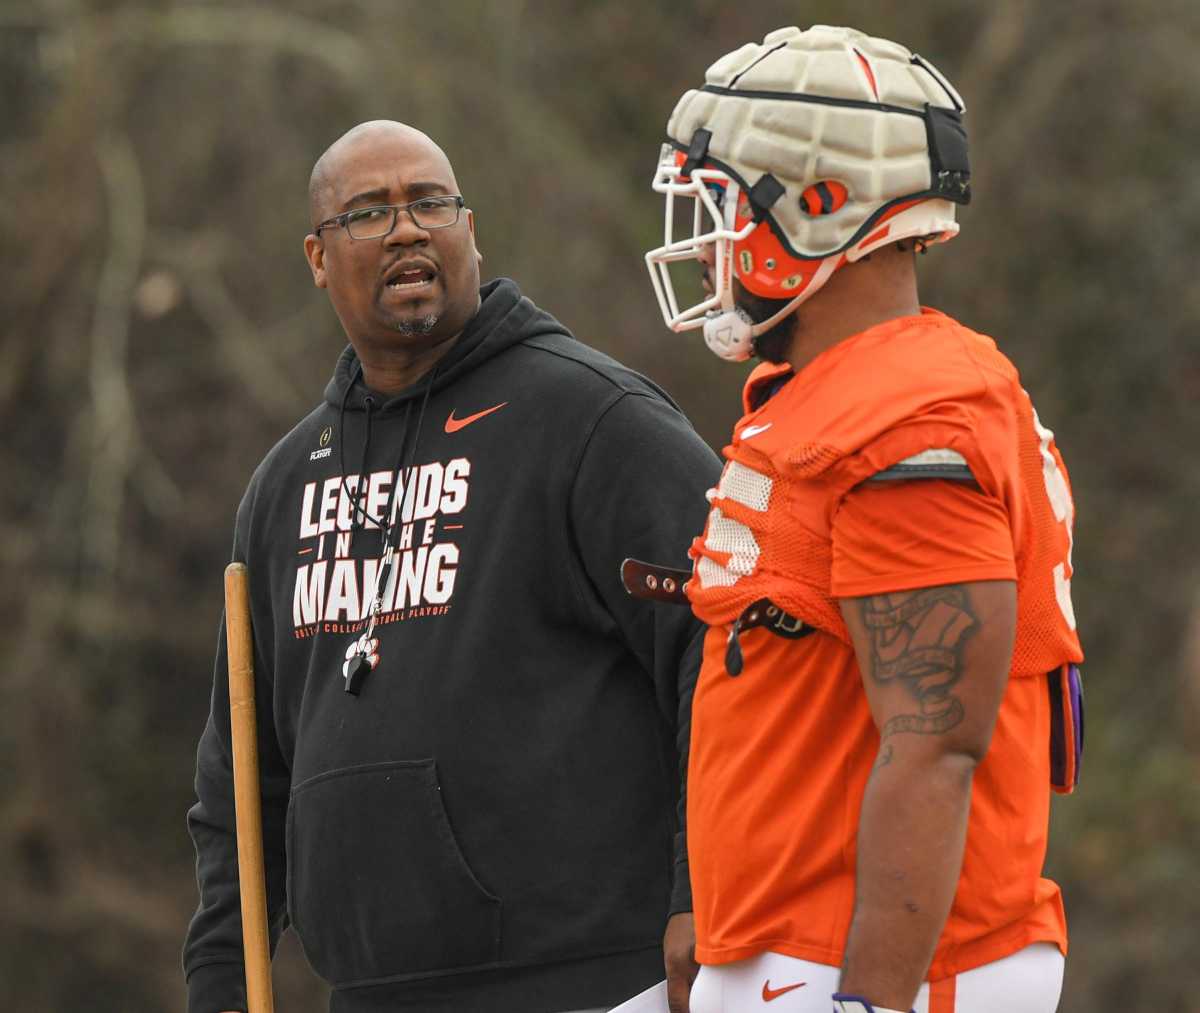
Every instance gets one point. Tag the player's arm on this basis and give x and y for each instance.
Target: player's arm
(934, 663)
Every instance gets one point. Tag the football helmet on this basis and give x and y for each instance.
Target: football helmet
(803, 154)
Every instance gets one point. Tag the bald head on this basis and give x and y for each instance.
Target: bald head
(327, 172)
(401, 287)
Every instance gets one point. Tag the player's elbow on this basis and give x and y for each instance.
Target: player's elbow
(950, 754)
(968, 754)
(965, 750)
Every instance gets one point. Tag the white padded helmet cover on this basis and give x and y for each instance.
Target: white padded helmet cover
(879, 155)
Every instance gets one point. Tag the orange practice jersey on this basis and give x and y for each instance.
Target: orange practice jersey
(781, 754)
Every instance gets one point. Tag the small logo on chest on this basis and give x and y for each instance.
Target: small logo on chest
(755, 430)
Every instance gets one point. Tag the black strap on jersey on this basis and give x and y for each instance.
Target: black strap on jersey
(902, 472)
(761, 613)
(666, 584)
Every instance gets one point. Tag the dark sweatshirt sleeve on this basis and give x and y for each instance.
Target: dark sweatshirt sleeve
(639, 491)
(212, 953)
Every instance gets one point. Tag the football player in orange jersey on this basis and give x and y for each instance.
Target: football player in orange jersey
(890, 687)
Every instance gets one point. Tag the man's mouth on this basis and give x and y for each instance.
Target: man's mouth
(410, 280)
(410, 277)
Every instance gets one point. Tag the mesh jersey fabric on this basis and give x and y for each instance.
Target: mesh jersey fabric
(781, 755)
(905, 386)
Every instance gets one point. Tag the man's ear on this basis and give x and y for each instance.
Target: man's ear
(314, 253)
(471, 227)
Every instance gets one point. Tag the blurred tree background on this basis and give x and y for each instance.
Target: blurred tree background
(159, 332)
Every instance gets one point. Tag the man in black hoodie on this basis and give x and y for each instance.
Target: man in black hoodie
(470, 736)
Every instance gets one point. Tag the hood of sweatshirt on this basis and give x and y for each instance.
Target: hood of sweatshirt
(505, 318)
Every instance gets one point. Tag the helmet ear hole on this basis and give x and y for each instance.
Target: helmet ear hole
(823, 198)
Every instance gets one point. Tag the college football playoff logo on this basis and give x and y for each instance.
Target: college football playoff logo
(323, 443)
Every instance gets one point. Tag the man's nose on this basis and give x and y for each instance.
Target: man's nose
(708, 255)
(406, 232)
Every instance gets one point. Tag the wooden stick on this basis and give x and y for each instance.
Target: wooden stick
(246, 794)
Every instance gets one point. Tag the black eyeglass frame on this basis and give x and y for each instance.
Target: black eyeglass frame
(339, 221)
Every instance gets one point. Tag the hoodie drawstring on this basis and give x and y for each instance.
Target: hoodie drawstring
(358, 498)
(358, 666)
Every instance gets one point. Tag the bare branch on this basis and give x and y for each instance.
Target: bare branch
(112, 406)
(997, 45)
(253, 27)
(242, 347)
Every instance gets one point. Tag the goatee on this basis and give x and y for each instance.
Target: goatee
(418, 327)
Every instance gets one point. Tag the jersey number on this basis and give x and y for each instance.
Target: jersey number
(1063, 506)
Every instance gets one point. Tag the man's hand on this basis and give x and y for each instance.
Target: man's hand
(679, 958)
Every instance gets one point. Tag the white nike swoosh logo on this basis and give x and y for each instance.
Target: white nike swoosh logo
(755, 430)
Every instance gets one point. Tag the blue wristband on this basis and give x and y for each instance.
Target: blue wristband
(844, 1003)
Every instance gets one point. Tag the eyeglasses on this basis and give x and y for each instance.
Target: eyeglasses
(438, 212)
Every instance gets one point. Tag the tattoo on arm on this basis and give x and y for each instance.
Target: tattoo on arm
(918, 637)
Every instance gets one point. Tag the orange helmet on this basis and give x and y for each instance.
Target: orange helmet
(802, 154)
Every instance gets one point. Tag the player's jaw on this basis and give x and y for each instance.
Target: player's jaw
(770, 346)
(773, 344)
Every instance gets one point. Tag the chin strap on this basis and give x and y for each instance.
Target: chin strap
(857, 1004)
(730, 332)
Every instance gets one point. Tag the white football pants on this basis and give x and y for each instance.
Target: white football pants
(1029, 981)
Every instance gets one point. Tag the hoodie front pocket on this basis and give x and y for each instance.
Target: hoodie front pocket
(377, 884)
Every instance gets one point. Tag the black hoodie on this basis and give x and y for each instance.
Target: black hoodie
(492, 823)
